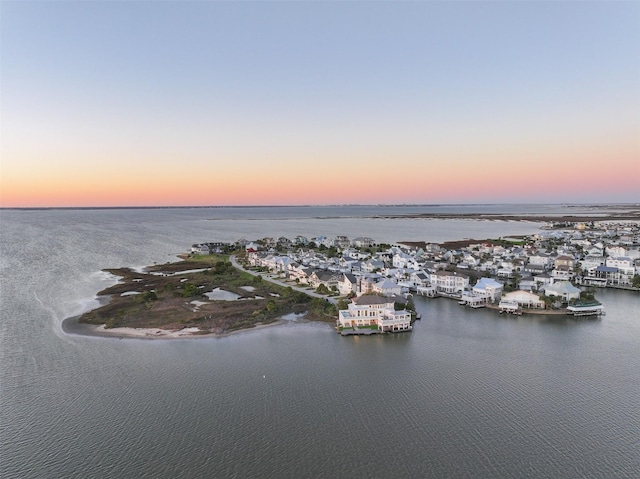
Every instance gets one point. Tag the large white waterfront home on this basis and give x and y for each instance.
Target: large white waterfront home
(374, 313)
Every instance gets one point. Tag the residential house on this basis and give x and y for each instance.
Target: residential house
(524, 299)
(201, 248)
(616, 251)
(341, 241)
(318, 277)
(363, 242)
(374, 311)
(542, 280)
(401, 259)
(371, 265)
(449, 282)
(626, 268)
(564, 261)
(419, 278)
(366, 282)
(347, 284)
(386, 287)
(527, 283)
(601, 276)
(301, 240)
(562, 289)
(591, 262)
(489, 287)
(542, 260)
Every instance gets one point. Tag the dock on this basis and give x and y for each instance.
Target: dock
(581, 308)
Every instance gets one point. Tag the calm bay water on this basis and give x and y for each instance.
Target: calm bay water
(467, 394)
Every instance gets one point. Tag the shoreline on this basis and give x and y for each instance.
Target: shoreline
(71, 326)
(561, 218)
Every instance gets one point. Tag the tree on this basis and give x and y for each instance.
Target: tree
(342, 304)
(271, 306)
(322, 289)
(635, 282)
(149, 296)
(190, 290)
(587, 295)
(548, 301)
(323, 307)
(332, 252)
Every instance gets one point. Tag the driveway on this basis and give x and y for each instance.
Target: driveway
(313, 294)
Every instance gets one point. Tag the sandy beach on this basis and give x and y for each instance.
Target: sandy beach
(72, 326)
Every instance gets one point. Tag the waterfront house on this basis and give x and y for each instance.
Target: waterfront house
(524, 299)
(374, 312)
(626, 268)
(363, 242)
(202, 248)
(449, 282)
(419, 278)
(284, 242)
(591, 262)
(489, 287)
(341, 241)
(562, 289)
(301, 240)
(601, 276)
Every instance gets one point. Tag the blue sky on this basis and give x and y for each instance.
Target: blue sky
(90, 89)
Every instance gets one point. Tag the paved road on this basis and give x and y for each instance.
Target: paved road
(269, 278)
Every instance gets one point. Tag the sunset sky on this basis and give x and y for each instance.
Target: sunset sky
(251, 103)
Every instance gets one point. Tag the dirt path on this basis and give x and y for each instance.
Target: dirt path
(271, 279)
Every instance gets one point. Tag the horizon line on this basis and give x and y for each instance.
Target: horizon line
(328, 205)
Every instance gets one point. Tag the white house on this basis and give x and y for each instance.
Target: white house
(419, 278)
(626, 268)
(449, 282)
(347, 284)
(362, 242)
(386, 287)
(371, 265)
(563, 289)
(524, 299)
(543, 279)
(590, 262)
(540, 259)
(200, 248)
(400, 260)
(616, 251)
(374, 311)
(341, 241)
(489, 287)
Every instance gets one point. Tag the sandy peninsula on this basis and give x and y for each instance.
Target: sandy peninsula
(193, 298)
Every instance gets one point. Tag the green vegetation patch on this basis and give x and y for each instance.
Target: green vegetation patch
(172, 296)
